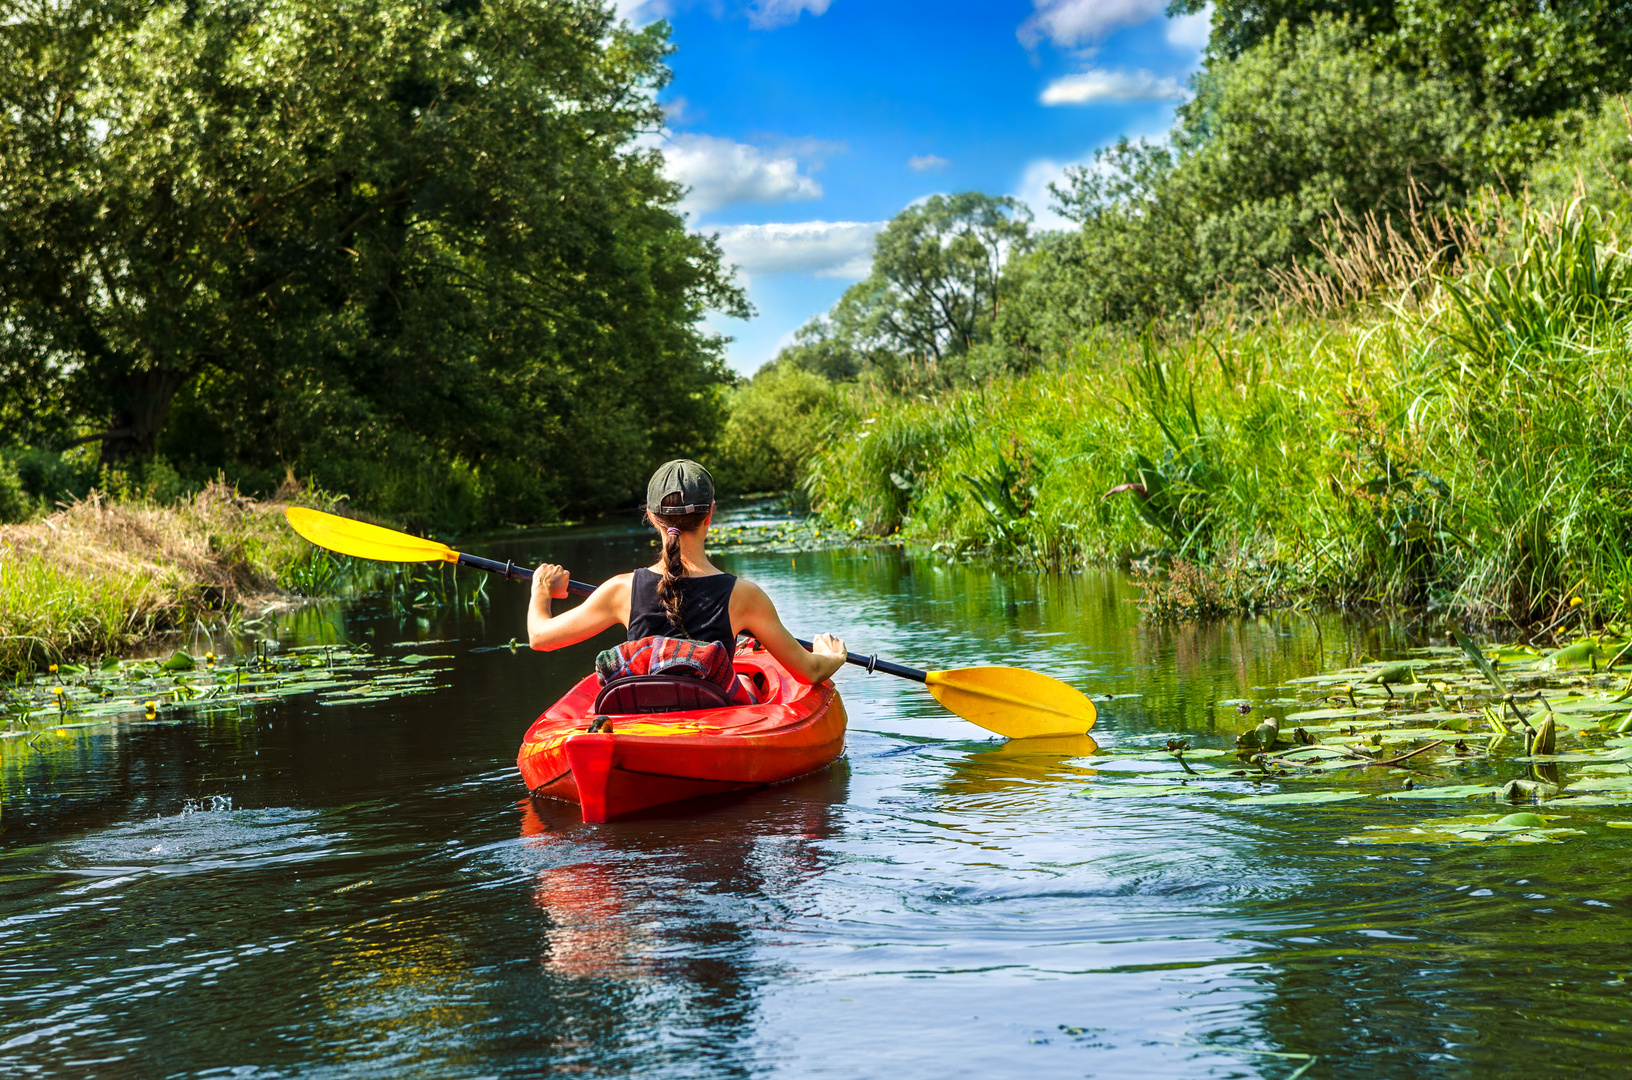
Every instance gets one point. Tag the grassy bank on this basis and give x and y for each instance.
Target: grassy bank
(1405, 429)
(101, 577)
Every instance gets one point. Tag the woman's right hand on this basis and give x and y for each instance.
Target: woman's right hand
(551, 580)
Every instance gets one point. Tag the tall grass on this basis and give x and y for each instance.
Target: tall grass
(1448, 426)
(98, 577)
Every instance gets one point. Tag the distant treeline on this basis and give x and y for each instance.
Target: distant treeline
(410, 252)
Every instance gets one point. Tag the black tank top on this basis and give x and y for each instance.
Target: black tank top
(705, 608)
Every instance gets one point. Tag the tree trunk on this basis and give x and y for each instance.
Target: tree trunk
(141, 405)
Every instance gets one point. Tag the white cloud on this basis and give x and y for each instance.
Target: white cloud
(1091, 87)
(1190, 32)
(681, 111)
(720, 172)
(927, 162)
(769, 14)
(825, 249)
(1070, 24)
(641, 12)
(1033, 191)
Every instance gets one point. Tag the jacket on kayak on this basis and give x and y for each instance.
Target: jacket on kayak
(676, 657)
(705, 608)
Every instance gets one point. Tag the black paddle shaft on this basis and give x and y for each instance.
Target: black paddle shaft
(511, 572)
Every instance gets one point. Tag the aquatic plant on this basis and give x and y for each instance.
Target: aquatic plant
(1541, 733)
(182, 686)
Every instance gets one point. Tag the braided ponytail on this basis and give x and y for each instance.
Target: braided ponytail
(674, 567)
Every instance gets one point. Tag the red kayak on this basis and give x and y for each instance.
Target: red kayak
(636, 760)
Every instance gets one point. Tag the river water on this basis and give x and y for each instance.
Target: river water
(365, 891)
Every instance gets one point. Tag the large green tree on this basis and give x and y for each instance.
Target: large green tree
(1301, 126)
(939, 278)
(1519, 64)
(337, 231)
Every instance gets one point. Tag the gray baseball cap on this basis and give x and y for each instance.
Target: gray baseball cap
(684, 478)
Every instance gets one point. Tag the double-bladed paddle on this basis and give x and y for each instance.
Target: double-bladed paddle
(1013, 702)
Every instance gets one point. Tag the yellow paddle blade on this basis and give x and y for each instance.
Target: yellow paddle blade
(1014, 702)
(363, 540)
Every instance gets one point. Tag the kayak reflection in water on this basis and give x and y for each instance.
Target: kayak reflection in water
(682, 595)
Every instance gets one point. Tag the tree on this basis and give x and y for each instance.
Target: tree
(1301, 126)
(937, 277)
(1520, 64)
(325, 227)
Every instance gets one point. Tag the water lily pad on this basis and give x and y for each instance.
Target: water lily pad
(1330, 714)
(1522, 828)
(1602, 783)
(179, 661)
(1287, 798)
(1135, 791)
(1443, 791)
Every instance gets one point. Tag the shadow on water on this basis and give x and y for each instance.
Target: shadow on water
(364, 889)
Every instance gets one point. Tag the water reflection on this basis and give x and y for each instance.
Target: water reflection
(376, 901)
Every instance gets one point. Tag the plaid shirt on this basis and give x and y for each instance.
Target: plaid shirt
(680, 657)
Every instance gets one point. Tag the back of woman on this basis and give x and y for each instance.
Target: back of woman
(683, 595)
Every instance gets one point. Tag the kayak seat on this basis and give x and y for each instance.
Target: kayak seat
(660, 694)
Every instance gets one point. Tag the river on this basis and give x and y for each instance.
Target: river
(365, 890)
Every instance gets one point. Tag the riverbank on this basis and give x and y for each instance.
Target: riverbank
(1454, 438)
(101, 578)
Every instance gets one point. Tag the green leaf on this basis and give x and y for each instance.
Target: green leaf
(1331, 714)
(1136, 791)
(1443, 791)
(1287, 798)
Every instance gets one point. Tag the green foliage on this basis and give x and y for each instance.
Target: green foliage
(49, 477)
(382, 244)
(1594, 164)
(926, 315)
(1302, 125)
(15, 505)
(777, 423)
(1517, 63)
(1470, 453)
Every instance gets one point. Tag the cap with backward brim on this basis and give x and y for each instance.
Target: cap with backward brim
(684, 478)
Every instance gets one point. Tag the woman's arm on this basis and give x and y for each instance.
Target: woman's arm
(606, 606)
(752, 610)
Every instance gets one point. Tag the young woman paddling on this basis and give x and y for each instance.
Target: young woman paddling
(682, 595)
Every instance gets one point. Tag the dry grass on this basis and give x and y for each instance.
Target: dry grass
(99, 577)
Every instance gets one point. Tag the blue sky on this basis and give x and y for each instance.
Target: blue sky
(801, 126)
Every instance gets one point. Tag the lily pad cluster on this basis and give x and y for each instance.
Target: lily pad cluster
(1448, 725)
(184, 685)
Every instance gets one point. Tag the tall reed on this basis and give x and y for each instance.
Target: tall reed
(1445, 426)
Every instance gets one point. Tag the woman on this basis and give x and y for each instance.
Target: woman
(683, 594)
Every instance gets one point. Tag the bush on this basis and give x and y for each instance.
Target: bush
(15, 505)
(778, 421)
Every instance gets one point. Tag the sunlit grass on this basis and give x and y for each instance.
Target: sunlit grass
(1464, 443)
(97, 578)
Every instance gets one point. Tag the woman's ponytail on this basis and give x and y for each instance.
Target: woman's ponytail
(674, 567)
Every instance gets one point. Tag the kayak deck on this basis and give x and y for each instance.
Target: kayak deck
(638, 761)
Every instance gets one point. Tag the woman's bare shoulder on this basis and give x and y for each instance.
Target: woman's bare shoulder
(617, 581)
